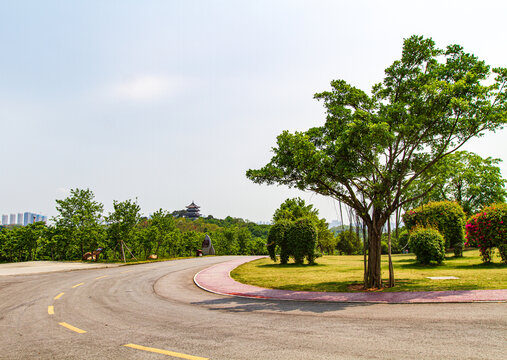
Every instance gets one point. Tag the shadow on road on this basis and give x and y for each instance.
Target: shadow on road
(237, 304)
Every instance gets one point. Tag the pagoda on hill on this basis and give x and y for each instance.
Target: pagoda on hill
(192, 211)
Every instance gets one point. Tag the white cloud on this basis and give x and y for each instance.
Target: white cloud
(142, 88)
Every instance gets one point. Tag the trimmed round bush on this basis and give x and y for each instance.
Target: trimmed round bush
(487, 230)
(428, 245)
(446, 216)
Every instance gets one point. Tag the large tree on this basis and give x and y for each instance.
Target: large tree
(373, 147)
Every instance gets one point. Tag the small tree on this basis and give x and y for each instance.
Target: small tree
(122, 223)
(349, 243)
(163, 224)
(79, 219)
(295, 209)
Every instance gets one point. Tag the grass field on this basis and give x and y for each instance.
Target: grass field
(341, 273)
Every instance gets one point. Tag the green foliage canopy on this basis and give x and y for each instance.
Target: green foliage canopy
(295, 209)
(79, 219)
(463, 177)
(447, 216)
(349, 243)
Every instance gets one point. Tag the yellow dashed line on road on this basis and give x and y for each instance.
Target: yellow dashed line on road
(51, 310)
(58, 296)
(165, 352)
(73, 328)
(123, 272)
(100, 277)
(75, 286)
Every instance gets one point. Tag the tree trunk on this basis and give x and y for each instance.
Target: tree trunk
(391, 270)
(374, 279)
(365, 262)
(123, 252)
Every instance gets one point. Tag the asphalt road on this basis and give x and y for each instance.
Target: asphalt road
(156, 307)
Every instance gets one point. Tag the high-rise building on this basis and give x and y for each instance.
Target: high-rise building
(22, 219)
(28, 218)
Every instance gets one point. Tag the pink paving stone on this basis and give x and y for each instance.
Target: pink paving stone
(217, 279)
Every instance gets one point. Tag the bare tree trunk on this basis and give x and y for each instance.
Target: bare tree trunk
(123, 252)
(341, 214)
(391, 270)
(396, 231)
(374, 274)
(365, 261)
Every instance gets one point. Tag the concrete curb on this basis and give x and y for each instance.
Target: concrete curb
(216, 279)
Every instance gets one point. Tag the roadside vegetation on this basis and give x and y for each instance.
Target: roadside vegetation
(124, 234)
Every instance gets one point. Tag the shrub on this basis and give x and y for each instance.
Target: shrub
(427, 244)
(349, 243)
(301, 238)
(446, 216)
(276, 240)
(487, 230)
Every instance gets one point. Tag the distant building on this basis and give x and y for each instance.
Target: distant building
(334, 223)
(263, 222)
(192, 211)
(23, 219)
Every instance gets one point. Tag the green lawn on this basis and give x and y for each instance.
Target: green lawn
(338, 273)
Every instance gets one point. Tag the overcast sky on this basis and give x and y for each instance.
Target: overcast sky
(172, 101)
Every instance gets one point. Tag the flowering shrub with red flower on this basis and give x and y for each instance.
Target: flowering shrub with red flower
(446, 216)
(487, 230)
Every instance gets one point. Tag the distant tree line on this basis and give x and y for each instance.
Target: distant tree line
(81, 226)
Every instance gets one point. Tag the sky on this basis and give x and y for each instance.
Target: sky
(171, 102)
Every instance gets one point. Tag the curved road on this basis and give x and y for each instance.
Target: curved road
(158, 311)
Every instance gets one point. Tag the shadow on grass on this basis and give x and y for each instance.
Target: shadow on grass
(243, 305)
(490, 265)
(404, 261)
(289, 266)
(448, 264)
(416, 266)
